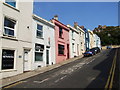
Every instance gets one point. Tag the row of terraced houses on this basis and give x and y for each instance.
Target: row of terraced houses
(29, 42)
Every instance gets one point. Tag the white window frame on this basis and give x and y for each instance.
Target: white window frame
(9, 28)
(39, 51)
(41, 31)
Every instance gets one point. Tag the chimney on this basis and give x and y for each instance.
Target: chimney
(82, 27)
(75, 24)
(56, 17)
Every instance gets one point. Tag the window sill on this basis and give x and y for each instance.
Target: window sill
(11, 7)
(38, 61)
(61, 37)
(10, 37)
(8, 70)
(40, 38)
(73, 39)
(61, 55)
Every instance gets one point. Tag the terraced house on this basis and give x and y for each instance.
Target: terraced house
(15, 37)
(43, 42)
(74, 42)
(62, 42)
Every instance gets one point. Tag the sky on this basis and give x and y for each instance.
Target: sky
(88, 14)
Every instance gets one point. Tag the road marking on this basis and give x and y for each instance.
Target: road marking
(111, 75)
(60, 79)
(41, 81)
(13, 84)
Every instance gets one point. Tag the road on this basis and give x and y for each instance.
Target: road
(87, 72)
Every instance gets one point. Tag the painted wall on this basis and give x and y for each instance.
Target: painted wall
(82, 40)
(64, 41)
(74, 39)
(22, 39)
(48, 32)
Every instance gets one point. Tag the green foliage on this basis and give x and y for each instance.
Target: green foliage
(114, 37)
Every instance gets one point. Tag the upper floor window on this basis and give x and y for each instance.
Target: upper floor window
(73, 47)
(11, 2)
(72, 34)
(9, 26)
(60, 32)
(39, 31)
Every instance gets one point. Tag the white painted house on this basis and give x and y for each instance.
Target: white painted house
(15, 37)
(74, 42)
(43, 42)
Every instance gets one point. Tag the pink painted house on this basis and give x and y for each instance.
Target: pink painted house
(61, 40)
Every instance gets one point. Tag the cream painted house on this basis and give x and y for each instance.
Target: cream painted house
(74, 42)
(82, 40)
(15, 37)
(43, 42)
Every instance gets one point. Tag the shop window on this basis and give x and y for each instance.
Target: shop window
(39, 52)
(7, 59)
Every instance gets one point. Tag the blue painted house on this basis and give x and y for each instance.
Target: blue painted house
(87, 39)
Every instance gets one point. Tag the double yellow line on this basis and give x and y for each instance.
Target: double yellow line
(109, 83)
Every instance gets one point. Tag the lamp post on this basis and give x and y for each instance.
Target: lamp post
(109, 35)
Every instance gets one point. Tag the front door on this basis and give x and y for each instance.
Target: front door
(26, 59)
(67, 51)
(47, 57)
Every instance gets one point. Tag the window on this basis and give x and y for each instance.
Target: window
(9, 26)
(39, 31)
(60, 49)
(39, 52)
(7, 59)
(72, 34)
(11, 2)
(60, 32)
(73, 47)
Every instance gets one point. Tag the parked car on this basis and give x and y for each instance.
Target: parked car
(108, 47)
(92, 51)
(97, 49)
(88, 53)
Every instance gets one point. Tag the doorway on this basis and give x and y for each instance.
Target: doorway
(26, 59)
(68, 51)
(47, 57)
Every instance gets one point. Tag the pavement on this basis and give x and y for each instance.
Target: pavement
(19, 77)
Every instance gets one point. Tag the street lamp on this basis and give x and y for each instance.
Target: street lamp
(109, 35)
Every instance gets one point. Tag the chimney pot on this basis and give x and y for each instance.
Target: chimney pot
(56, 17)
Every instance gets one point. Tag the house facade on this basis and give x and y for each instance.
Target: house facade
(82, 40)
(15, 37)
(43, 42)
(97, 41)
(87, 39)
(74, 42)
(91, 38)
(61, 40)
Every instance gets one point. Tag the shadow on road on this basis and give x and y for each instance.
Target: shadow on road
(104, 68)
